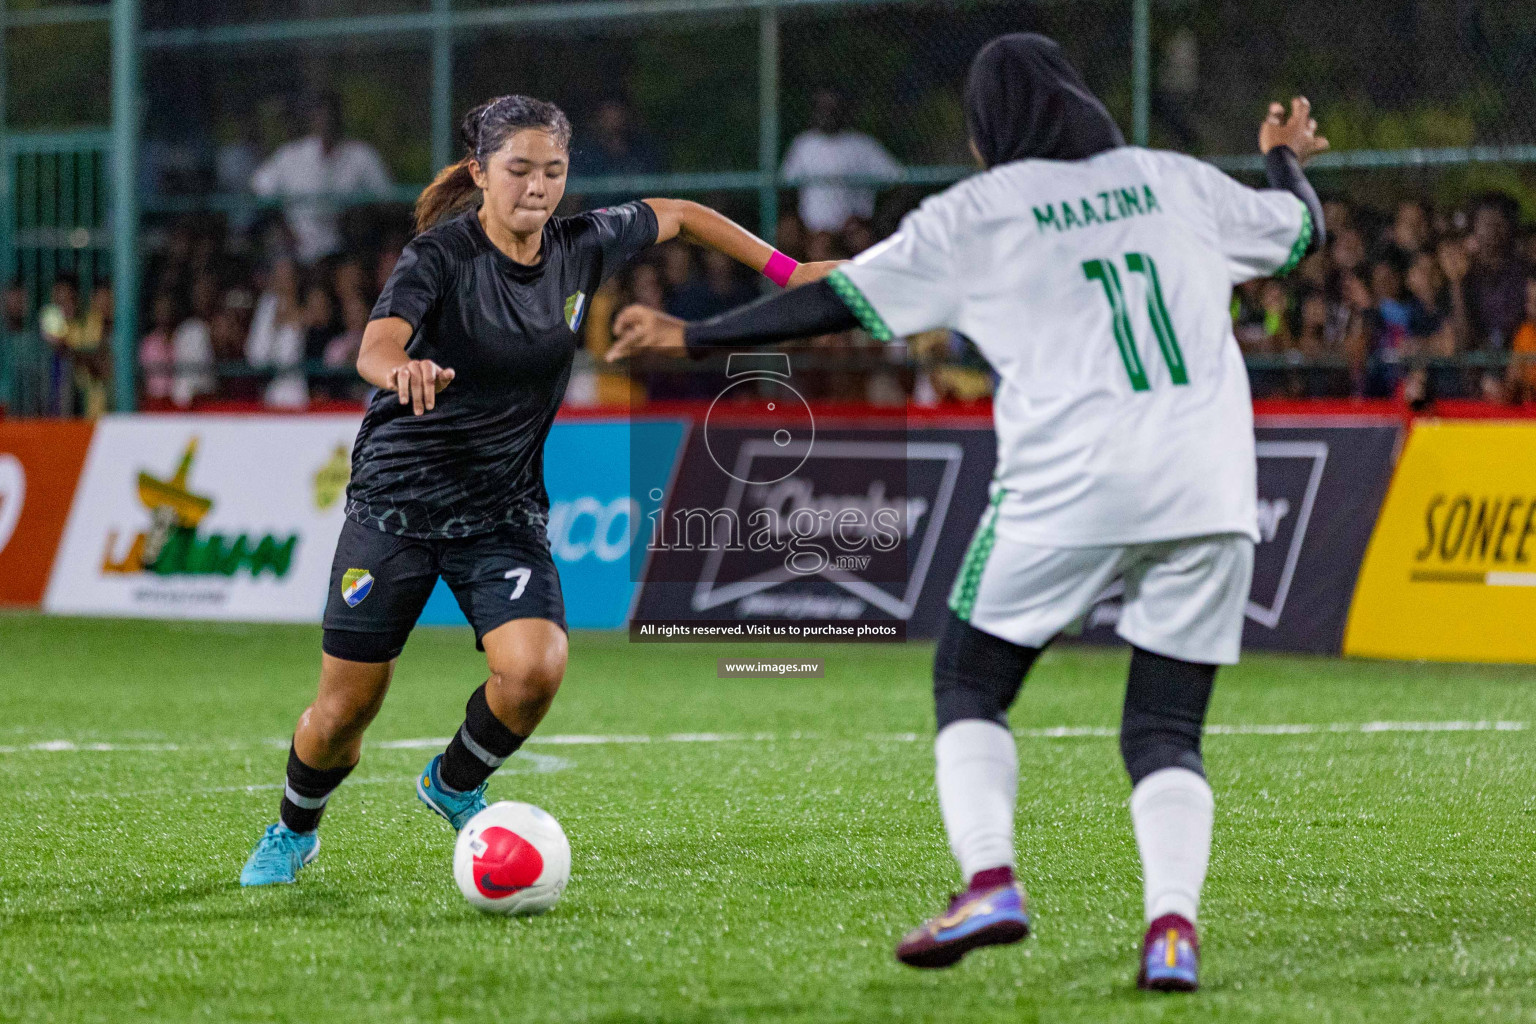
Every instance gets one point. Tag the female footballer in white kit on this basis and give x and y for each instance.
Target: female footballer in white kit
(1096, 279)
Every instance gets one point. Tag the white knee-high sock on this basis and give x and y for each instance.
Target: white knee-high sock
(1171, 811)
(978, 777)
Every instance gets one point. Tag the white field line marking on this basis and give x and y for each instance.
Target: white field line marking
(580, 739)
(1063, 732)
(522, 763)
(69, 746)
(1366, 727)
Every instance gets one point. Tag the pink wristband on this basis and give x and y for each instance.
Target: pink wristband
(779, 268)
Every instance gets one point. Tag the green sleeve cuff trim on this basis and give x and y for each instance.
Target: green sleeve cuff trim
(1303, 240)
(859, 306)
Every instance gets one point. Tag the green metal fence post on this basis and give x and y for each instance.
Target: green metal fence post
(125, 198)
(768, 120)
(7, 209)
(9, 359)
(442, 85)
(1141, 69)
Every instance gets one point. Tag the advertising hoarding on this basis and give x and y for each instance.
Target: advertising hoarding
(205, 517)
(1450, 574)
(40, 464)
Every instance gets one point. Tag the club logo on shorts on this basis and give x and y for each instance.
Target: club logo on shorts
(355, 585)
(574, 306)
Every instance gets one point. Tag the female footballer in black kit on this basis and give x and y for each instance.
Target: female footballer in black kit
(486, 302)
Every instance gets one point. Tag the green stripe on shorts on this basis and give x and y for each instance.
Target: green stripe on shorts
(962, 598)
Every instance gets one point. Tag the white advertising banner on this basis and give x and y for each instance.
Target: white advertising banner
(205, 517)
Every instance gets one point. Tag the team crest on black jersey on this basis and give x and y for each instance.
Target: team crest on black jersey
(575, 305)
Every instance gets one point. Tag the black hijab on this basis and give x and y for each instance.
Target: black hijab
(1024, 99)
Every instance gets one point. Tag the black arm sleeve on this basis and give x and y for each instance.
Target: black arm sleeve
(1284, 172)
(802, 312)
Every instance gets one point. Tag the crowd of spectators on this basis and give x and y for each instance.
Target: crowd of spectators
(74, 329)
(269, 306)
(1417, 304)
(1392, 300)
(283, 332)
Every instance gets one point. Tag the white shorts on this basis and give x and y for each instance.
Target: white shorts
(1183, 599)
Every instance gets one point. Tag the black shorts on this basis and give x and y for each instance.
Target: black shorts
(381, 582)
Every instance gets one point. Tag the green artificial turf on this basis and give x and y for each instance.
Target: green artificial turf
(764, 876)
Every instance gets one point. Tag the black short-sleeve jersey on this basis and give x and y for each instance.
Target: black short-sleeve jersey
(509, 331)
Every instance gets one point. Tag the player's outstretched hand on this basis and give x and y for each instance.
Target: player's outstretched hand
(418, 382)
(1298, 131)
(807, 273)
(641, 327)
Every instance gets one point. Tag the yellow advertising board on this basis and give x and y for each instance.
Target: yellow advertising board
(1450, 574)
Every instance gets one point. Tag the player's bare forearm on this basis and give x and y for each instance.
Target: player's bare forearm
(681, 218)
(383, 350)
(692, 222)
(383, 362)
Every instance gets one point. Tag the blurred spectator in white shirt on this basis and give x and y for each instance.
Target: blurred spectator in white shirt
(829, 148)
(192, 345)
(320, 164)
(276, 340)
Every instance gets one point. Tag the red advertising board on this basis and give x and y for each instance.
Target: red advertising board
(40, 463)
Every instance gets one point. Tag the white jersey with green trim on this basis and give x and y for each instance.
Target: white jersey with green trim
(1100, 291)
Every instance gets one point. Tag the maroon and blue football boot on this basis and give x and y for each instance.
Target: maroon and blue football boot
(992, 912)
(1170, 956)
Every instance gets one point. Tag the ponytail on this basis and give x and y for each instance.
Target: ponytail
(483, 131)
(452, 191)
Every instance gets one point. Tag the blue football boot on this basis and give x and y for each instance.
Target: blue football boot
(279, 854)
(1170, 956)
(457, 808)
(992, 916)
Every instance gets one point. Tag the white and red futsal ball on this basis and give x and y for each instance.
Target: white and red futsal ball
(512, 858)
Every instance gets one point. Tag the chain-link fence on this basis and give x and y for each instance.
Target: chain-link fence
(1423, 101)
(1385, 75)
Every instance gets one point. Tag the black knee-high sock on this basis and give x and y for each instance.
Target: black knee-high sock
(306, 792)
(480, 747)
(1165, 703)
